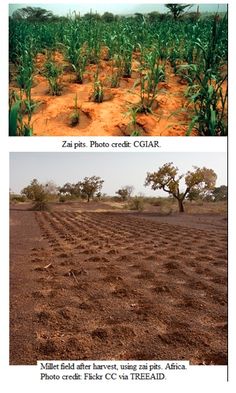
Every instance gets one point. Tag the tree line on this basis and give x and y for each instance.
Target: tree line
(38, 14)
(200, 183)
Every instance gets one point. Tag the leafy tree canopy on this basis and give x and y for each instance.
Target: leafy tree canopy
(38, 193)
(168, 180)
(70, 189)
(125, 192)
(108, 17)
(153, 16)
(220, 193)
(34, 190)
(177, 9)
(90, 185)
(33, 14)
(92, 16)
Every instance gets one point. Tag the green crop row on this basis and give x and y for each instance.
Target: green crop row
(197, 51)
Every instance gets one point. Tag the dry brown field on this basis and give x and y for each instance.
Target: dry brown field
(88, 282)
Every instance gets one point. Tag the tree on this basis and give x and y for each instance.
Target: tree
(125, 192)
(90, 185)
(37, 193)
(168, 180)
(32, 190)
(108, 17)
(72, 190)
(33, 14)
(193, 195)
(139, 17)
(177, 9)
(153, 16)
(220, 193)
(92, 16)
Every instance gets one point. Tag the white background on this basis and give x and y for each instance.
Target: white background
(199, 378)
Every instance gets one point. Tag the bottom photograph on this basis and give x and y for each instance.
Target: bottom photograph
(118, 256)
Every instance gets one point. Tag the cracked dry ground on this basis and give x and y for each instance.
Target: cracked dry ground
(115, 286)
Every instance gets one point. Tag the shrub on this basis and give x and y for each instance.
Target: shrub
(62, 198)
(14, 198)
(41, 201)
(137, 203)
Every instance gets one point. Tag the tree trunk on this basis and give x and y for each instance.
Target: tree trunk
(181, 205)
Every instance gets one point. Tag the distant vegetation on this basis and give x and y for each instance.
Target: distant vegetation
(200, 188)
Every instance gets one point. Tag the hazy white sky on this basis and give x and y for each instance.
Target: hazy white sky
(116, 169)
(116, 7)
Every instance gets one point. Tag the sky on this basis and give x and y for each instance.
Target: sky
(116, 8)
(116, 169)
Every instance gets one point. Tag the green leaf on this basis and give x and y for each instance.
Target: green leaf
(212, 124)
(13, 117)
(191, 125)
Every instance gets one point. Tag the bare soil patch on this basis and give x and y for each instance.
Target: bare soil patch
(170, 115)
(112, 285)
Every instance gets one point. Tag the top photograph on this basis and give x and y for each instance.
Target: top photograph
(118, 69)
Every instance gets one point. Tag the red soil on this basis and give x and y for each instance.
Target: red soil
(109, 118)
(107, 285)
